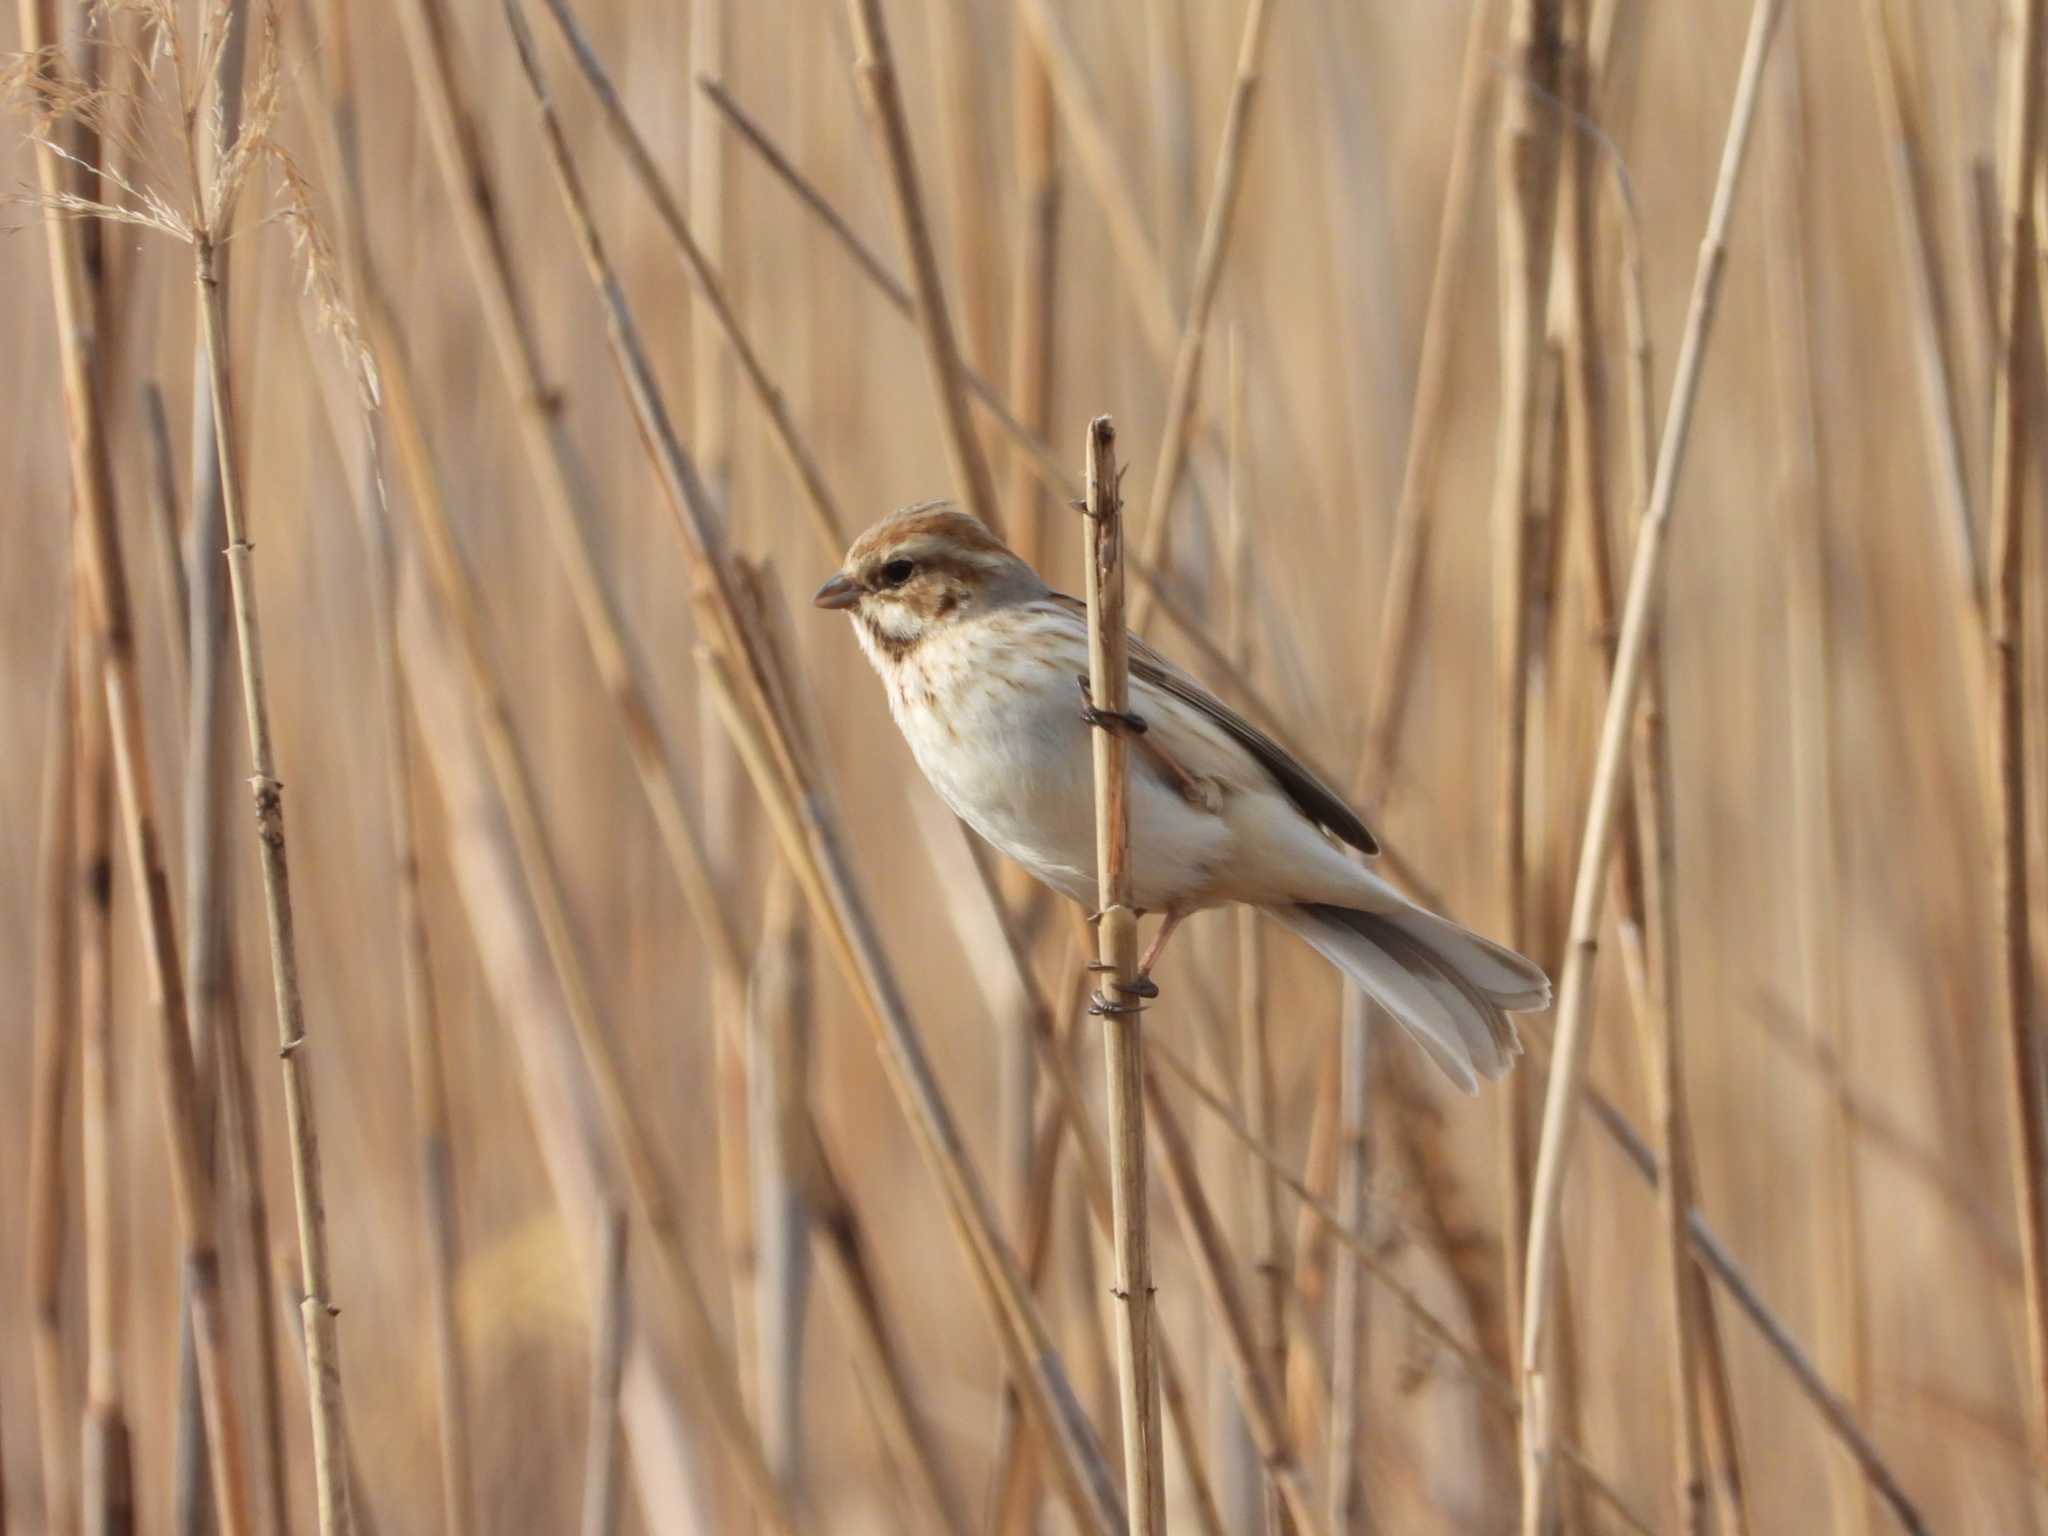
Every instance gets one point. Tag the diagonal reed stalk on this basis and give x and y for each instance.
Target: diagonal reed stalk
(336, 135)
(875, 68)
(619, 666)
(826, 517)
(1226, 182)
(512, 887)
(622, 669)
(1905, 156)
(2019, 310)
(764, 732)
(1538, 1427)
(652, 1203)
(1694, 1327)
(876, 1354)
(1393, 667)
(495, 890)
(1123, 1040)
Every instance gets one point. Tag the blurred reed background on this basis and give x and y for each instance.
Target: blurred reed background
(1420, 392)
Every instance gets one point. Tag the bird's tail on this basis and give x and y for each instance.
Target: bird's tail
(1448, 987)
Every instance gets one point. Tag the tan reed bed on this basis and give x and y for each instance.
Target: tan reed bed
(740, 661)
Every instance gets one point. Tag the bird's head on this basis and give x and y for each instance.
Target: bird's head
(921, 569)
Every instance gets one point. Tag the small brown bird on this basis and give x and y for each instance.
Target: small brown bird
(981, 660)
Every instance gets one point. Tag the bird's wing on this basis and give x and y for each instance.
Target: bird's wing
(1311, 796)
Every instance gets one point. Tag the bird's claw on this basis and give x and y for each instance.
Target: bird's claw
(1140, 985)
(1101, 1007)
(1109, 719)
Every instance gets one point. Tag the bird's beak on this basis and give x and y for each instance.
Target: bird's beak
(842, 591)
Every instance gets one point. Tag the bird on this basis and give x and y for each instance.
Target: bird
(981, 658)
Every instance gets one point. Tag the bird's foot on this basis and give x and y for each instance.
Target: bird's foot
(1101, 1007)
(1140, 985)
(1108, 719)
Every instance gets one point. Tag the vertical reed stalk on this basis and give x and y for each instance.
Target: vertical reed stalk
(1264, 1239)
(1393, 663)
(56, 1029)
(1216, 1270)
(1526, 170)
(720, 791)
(1033, 300)
(778, 1051)
(1695, 1342)
(1116, 935)
(112, 659)
(1823, 911)
(323, 1360)
(426, 1072)
(1538, 1429)
(876, 69)
(1496, 1384)
(105, 1476)
(1350, 1380)
(205, 798)
(1033, 341)
(2018, 311)
(1002, 958)
(710, 199)
(1106, 171)
(607, 1362)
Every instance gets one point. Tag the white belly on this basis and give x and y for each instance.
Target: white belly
(1003, 743)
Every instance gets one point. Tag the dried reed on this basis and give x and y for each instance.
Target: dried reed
(875, 68)
(2018, 310)
(114, 660)
(1538, 1424)
(1123, 1041)
(809, 840)
(56, 1028)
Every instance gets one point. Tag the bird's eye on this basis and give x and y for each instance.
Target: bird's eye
(897, 572)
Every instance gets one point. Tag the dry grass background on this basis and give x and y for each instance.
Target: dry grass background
(1321, 301)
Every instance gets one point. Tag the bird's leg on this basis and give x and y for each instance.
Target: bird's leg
(1146, 986)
